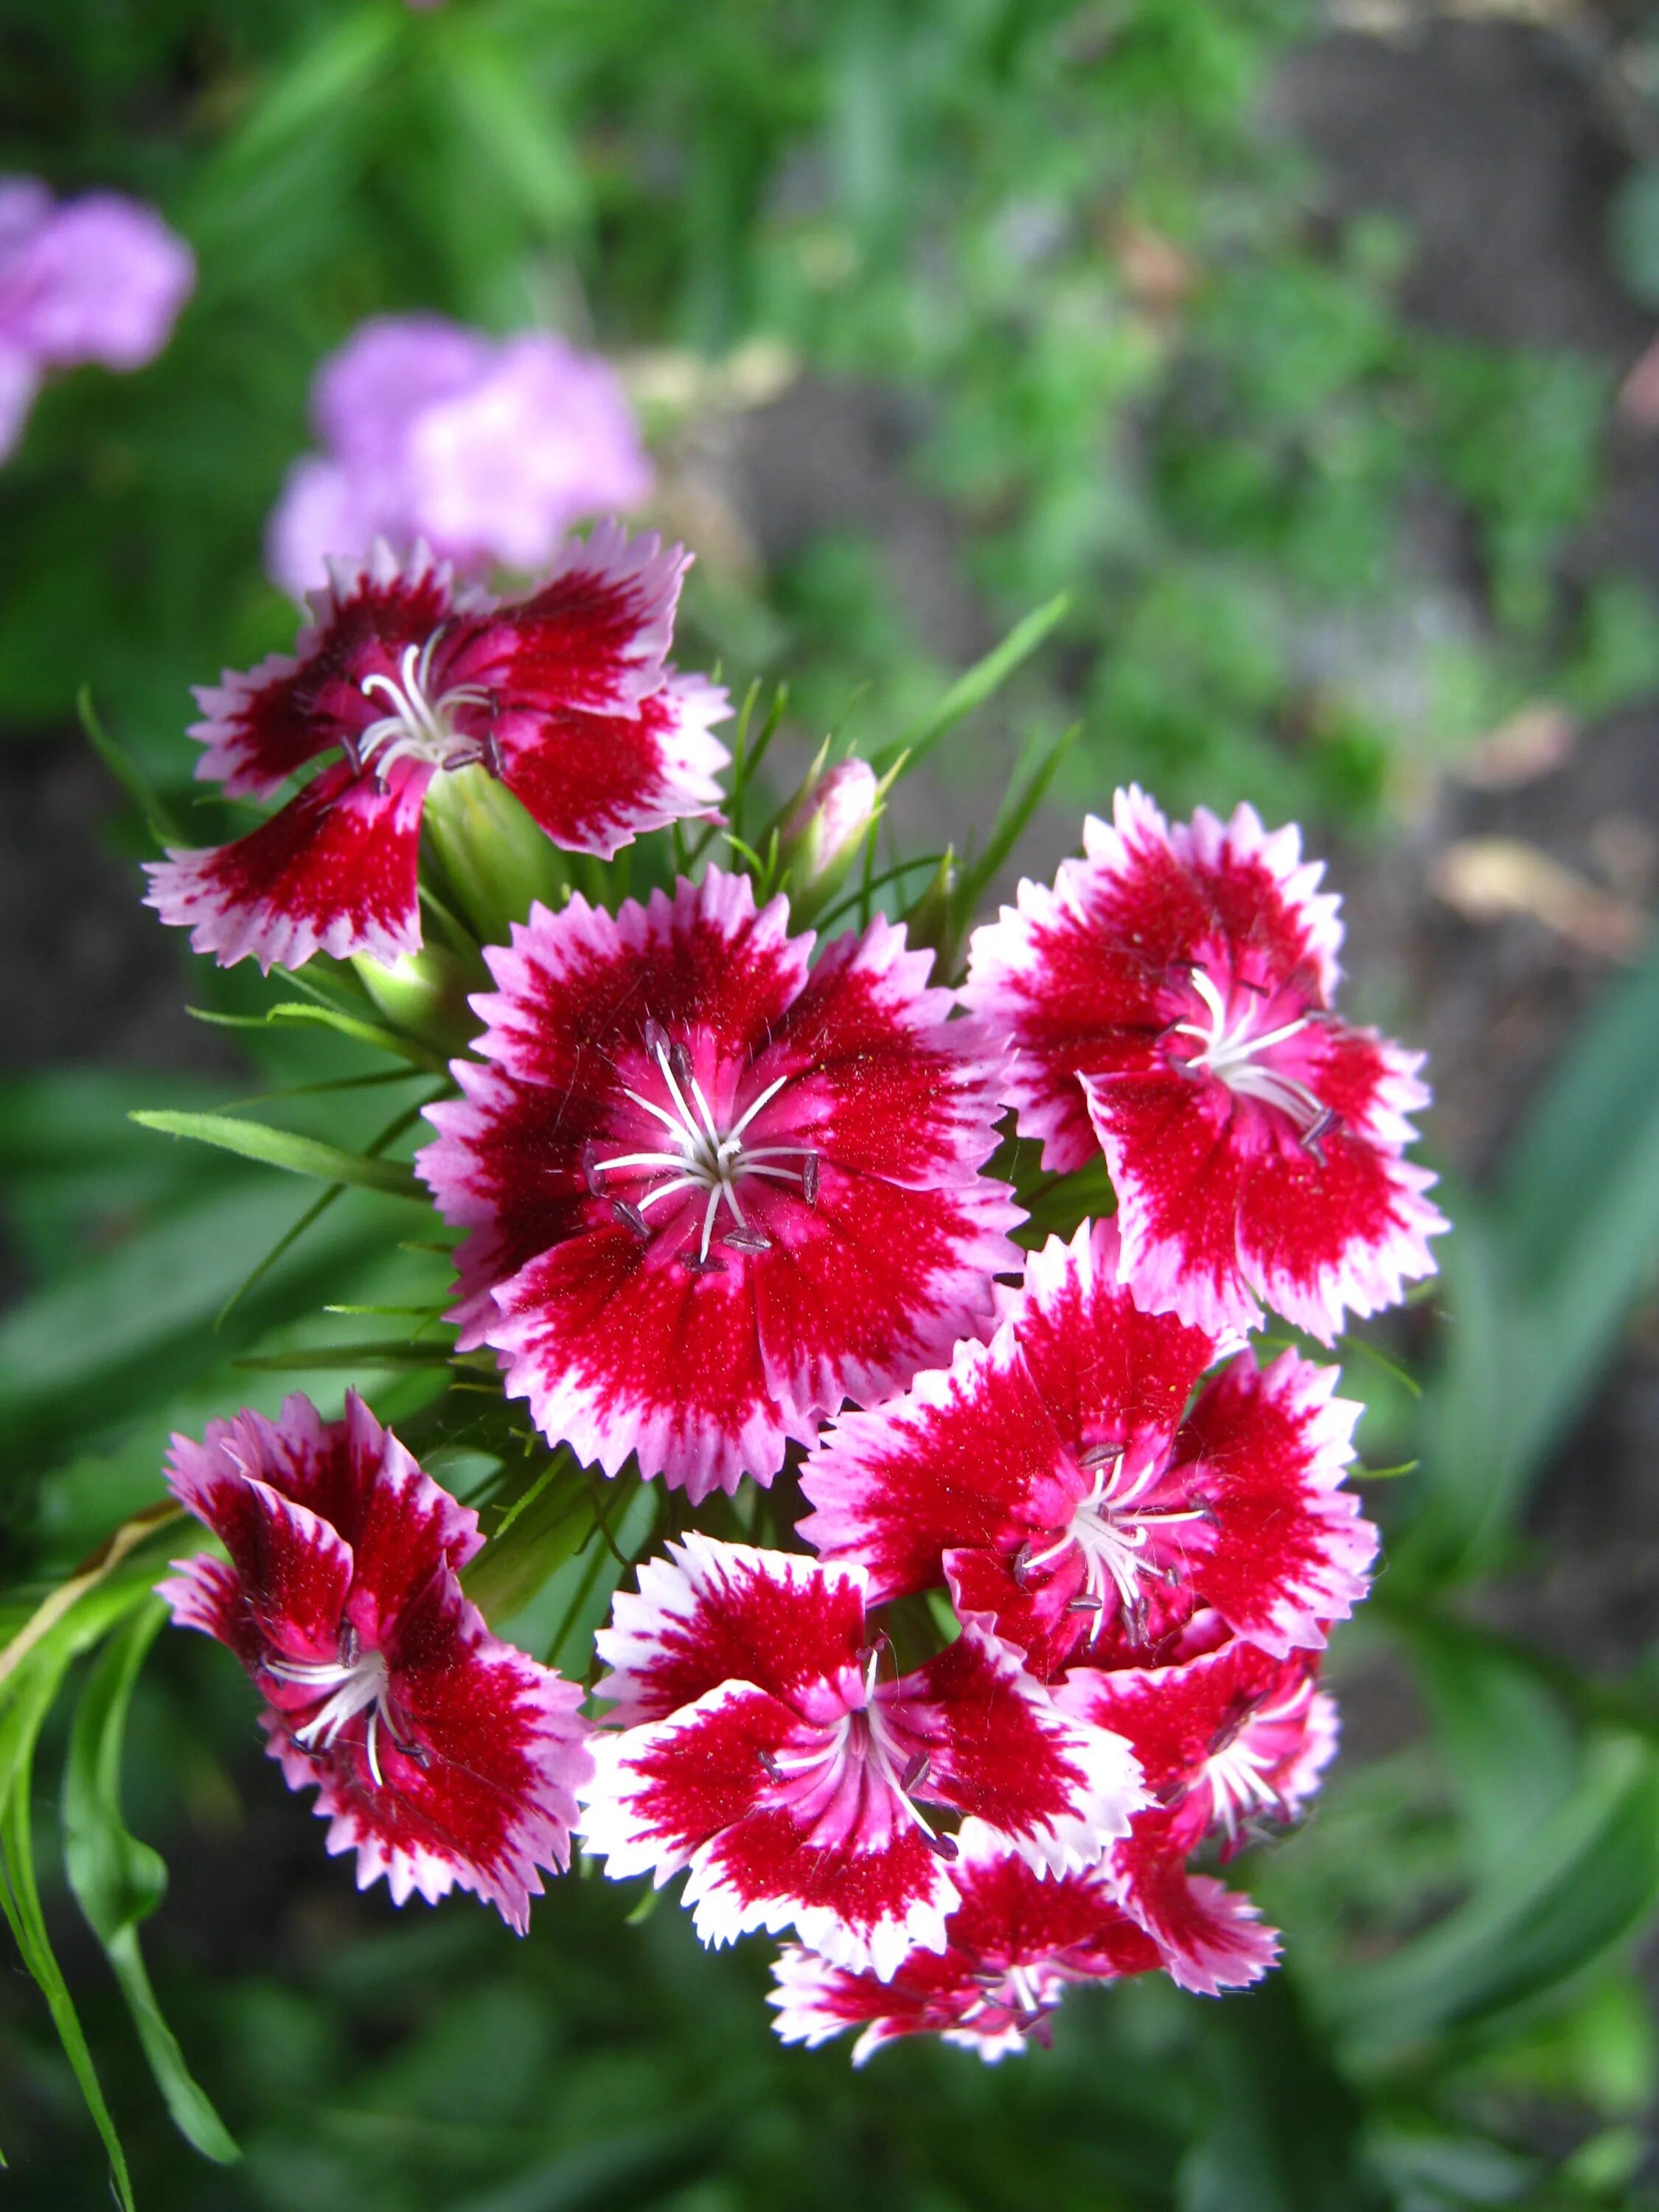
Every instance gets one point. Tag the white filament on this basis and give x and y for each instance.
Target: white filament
(419, 726)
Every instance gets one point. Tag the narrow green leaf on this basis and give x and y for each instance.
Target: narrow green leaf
(392, 1352)
(505, 125)
(1507, 1745)
(1567, 1892)
(128, 773)
(543, 1529)
(117, 1881)
(1280, 2130)
(294, 1013)
(282, 1148)
(972, 689)
(29, 1693)
(1017, 812)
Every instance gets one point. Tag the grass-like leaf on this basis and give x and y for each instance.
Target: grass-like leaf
(282, 1148)
(975, 686)
(117, 1881)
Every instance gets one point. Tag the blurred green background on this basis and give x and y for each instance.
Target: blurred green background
(1297, 346)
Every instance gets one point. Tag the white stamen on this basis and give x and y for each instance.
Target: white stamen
(864, 1737)
(1114, 1535)
(1230, 1053)
(1238, 1782)
(706, 1159)
(359, 1683)
(419, 726)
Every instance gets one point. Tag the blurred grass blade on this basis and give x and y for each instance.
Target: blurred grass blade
(28, 1693)
(392, 1352)
(1506, 1745)
(282, 1148)
(1018, 810)
(347, 1025)
(117, 1881)
(973, 688)
(1568, 1891)
(128, 773)
(333, 80)
(505, 125)
(92, 1570)
(1539, 1279)
(1281, 2129)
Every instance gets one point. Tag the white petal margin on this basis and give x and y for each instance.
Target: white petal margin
(1112, 1788)
(615, 1827)
(673, 1591)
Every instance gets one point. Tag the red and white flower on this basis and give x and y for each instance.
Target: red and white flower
(712, 1193)
(1226, 1741)
(566, 697)
(762, 1748)
(1169, 1002)
(1057, 1479)
(441, 1756)
(1014, 1944)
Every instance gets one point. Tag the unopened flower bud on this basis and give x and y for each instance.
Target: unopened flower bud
(824, 830)
(494, 860)
(424, 995)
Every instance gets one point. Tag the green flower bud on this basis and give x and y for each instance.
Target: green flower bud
(492, 859)
(425, 995)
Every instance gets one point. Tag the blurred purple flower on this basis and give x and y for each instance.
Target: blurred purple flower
(101, 279)
(489, 449)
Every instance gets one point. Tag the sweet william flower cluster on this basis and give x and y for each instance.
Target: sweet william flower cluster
(744, 1213)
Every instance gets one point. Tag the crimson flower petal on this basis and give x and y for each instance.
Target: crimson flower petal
(1009, 1756)
(566, 697)
(712, 1193)
(1210, 1938)
(791, 1780)
(441, 1756)
(595, 636)
(850, 1871)
(710, 1612)
(1168, 1003)
(1224, 1740)
(1271, 1447)
(1014, 1943)
(334, 871)
(1050, 1478)
(595, 782)
(260, 726)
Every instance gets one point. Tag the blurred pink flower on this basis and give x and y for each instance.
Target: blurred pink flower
(488, 449)
(96, 279)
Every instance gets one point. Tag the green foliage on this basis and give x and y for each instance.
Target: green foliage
(1157, 404)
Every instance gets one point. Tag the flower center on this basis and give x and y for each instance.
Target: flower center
(419, 724)
(701, 1156)
(1239, 1769)
(1239, 1784)
(360, 1681)
(1235, 1047)
(826, 1787)
(1116, 1526)
(1025, 1993)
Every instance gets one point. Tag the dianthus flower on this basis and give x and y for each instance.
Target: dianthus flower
(488, 449)
(441, 1756)
(761, 1747)
(99, 279)
(1057, 1479)
(1225, 1740)
(566, 697)
(1014, 1944)
(713, 1193)
(1169, 1002)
